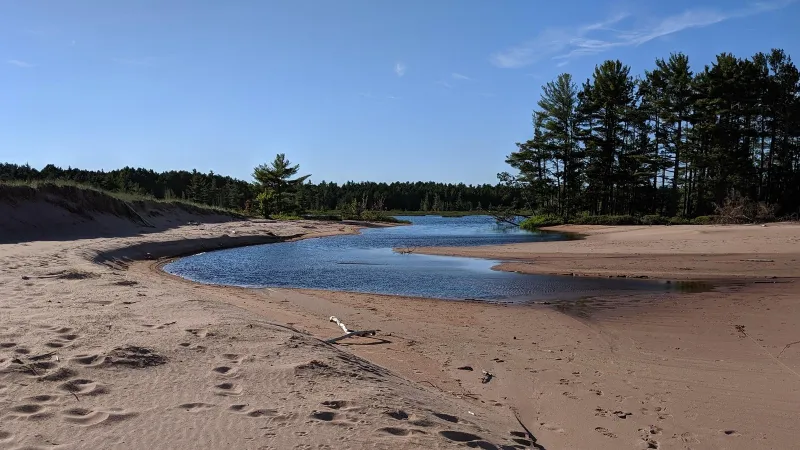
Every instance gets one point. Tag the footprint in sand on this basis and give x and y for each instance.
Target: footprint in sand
(255, 413)
(62, 339)
(396, 415)
(225, 371)
(552, 427)
(339, 404)
(30, 411)
(83, 387)
(396, 431)
(263, 412)
(6, 436)
(605, 432)
(200, 332)
(325, 416)
(460, 436)
(228, 389)
(196, 407)
(89, 417)
(622, 415)
(446, 417)
(651, 443)
(61, 374)
(89, 360)
(43, 399)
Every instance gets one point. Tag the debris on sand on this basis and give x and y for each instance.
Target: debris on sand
(134, 356)
(487, 377)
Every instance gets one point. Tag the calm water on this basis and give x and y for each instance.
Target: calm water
(366, 263)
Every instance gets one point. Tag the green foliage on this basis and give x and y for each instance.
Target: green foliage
(323, 216)
(226, 192)
(654, 219)
(379, 216)
(724, 140)
(605, 220)
(276, 183)
(535, 222)
(705, 220)
(677, 220)
(354, 211)
(264, 203)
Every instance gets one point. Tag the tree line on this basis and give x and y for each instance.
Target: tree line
(671, 142)
(227, 192)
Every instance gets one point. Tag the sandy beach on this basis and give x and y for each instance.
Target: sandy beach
(99, 348)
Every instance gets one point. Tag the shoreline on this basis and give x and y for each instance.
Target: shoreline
(654, 252)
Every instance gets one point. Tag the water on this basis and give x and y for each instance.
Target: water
(367, 263)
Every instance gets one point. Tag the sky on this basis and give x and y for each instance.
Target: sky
(350, 89)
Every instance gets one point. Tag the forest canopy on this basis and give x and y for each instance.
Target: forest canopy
(672, 142)
(226, 192)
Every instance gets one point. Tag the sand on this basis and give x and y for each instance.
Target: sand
(101, 349)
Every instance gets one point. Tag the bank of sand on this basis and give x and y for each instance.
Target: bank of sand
(100, 349)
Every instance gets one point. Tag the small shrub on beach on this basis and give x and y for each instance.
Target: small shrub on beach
(606, 220)
(654, 219)
(679, 221)
(546, 220)
(740, 209)
(705, 220)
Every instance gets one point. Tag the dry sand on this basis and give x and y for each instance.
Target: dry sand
(100, 349)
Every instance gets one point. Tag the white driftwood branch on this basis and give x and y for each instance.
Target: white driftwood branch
(348, 333)
(341, 325)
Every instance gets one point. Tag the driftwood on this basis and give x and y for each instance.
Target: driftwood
(348, 333)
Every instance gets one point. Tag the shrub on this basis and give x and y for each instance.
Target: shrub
(331, 217)
(705, 220)
(740, 209)
(606, 220)
(535, 222)
(679, 221)
(654, 219)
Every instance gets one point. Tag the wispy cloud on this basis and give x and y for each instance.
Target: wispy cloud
(459, 76)
(445, 84)
(400, 69)
(20, 64)
(622, 30)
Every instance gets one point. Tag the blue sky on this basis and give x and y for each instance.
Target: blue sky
(349, 89)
